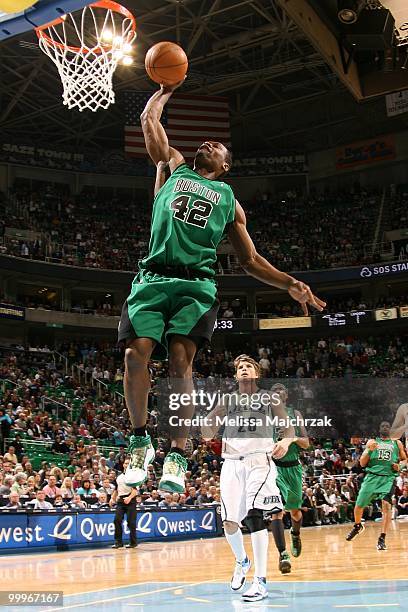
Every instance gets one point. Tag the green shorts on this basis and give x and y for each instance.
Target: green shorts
(159, 307)
(290, 483)
(375, 487)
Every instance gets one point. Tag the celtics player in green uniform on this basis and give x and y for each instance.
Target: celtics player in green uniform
(290, 475)
(381, 459)
(172, 306)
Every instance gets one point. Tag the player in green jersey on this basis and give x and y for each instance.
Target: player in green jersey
(173, 303)
(290, 475)
(381, 459)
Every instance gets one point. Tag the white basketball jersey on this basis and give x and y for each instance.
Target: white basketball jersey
(248, 430)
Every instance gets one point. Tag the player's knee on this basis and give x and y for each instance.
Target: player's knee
(136, 358)
(254, 520)
(230, 527)
(180, 366)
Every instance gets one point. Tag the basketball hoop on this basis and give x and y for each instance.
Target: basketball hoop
(86, 48)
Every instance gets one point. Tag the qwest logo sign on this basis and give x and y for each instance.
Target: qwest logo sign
(176, 524)
(36, 530)
(62, 529)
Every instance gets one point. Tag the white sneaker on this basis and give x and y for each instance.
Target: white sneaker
(141, 454)
(173, 478)
(256, 591)
(239, 576)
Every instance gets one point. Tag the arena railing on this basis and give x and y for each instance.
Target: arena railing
(41, 446)
(61, 359)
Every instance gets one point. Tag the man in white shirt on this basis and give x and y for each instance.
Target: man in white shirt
(40, 503)
(167, 502)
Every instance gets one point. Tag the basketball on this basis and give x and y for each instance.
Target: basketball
(166, 63)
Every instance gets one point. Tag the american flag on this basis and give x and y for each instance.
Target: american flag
(188, 120)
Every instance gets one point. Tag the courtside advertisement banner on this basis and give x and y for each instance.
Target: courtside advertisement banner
(386, 314)
(343, 319)
(366, 152)
(9, 311)
(42, 530)
(383, 269)
(285, 323)
(403, 312)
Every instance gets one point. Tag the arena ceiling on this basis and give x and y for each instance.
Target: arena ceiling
(283, 95)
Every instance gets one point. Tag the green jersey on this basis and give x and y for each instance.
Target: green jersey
(382, 458)
(190, 214)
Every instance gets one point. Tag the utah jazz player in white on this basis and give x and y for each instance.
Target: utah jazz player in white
(248, 475)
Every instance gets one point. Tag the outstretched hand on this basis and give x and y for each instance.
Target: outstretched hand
(303, 294)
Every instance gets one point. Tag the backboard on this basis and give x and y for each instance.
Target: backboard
(42, 12)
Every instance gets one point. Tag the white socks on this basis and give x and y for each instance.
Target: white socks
(236, 541)
(260, 541)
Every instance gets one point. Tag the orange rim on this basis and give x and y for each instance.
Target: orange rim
(109, 5)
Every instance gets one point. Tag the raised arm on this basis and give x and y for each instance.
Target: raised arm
(402, 453)
(398, 427)
(156, 140)
(303, 440)
(260, 268)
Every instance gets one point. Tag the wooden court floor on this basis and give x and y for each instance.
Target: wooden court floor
(326, 557)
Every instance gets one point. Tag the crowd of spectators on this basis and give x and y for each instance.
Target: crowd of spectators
(88, 480)
(87, 230)
(321, 231)
(42, 301)
(113, 162)
(86, 453)
(86, 378)
(396, 216)
(296, 233)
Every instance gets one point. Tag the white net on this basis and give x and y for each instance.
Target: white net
(86, 47)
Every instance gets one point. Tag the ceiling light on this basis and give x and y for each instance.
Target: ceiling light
(349, 10)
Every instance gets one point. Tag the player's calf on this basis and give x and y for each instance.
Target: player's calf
(275, 525)
(296, 542)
